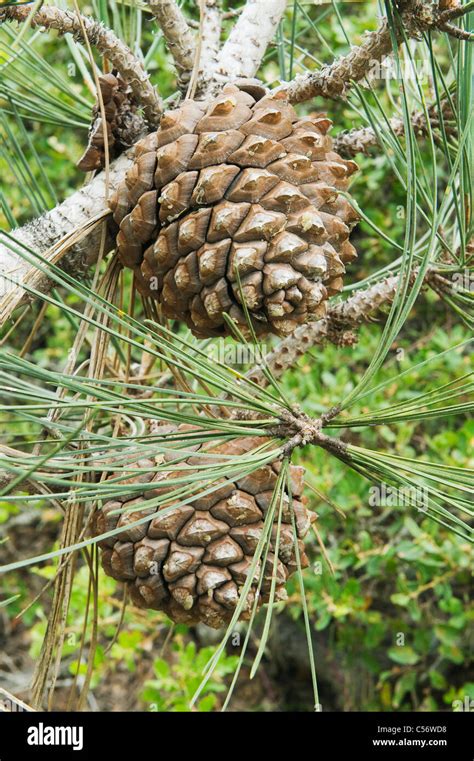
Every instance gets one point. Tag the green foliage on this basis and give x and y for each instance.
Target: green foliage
(398, 611)
(178, 677)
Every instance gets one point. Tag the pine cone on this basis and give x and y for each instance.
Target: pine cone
(236, 203)
(122, 122)
(193, 562)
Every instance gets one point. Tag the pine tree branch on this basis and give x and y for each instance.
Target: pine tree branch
(178, 35)
(454, 10)
(76, 212)
(211, 21)
(342, 317)
(457, 32)
(337, 326)
(299, 430)
(86, 203)
(332, 81)
(359, 140)
(104, 40)
(245, 47)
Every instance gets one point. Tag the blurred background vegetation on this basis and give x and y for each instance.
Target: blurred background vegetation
(385, 572)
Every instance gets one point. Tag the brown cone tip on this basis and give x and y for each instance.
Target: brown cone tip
(237, 204)
(193, 561)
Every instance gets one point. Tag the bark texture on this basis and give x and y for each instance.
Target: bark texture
(210, 45)
(244, 49)
(360, 140)
(45, 232)
(333, 80)
(179, 37)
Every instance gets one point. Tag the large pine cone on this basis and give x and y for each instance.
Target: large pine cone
(193, 562)
(242, 187)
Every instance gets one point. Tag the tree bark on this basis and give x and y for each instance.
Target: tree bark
(244, 49)
(43, 233)
(179, 37)
(210, 46)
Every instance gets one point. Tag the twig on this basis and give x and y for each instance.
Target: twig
(359, 140)
(245, 47)
(456, 31)
(299, 430)
(100, 99)
(210, 44)
(193, 79)
(13, 703)
(332, 81)
(456, 11)
(361, 307)
(43, 235)
(108, 45)
(179, 37)
(354, 311)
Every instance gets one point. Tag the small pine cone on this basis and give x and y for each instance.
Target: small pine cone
(193, 562)
(122, 123)
(237, 204)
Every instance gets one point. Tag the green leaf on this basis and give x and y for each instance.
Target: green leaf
(402, 686)
(447, 635)
(437, 680)
(400, 599)
(405, 655)
(207, 703)
(161, 667)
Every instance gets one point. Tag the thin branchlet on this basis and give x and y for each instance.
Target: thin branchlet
(360, 139)
(341, 319)
(299, 430)
(332, 81)
(105, 41)
(180, 39)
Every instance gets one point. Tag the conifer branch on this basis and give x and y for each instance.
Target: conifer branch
(245, 47)
(104, 40)
(360, 139)
(44, 233)
(211, 21)
(336, 327)
(178, 35)
(358, 308)
(332, 81)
